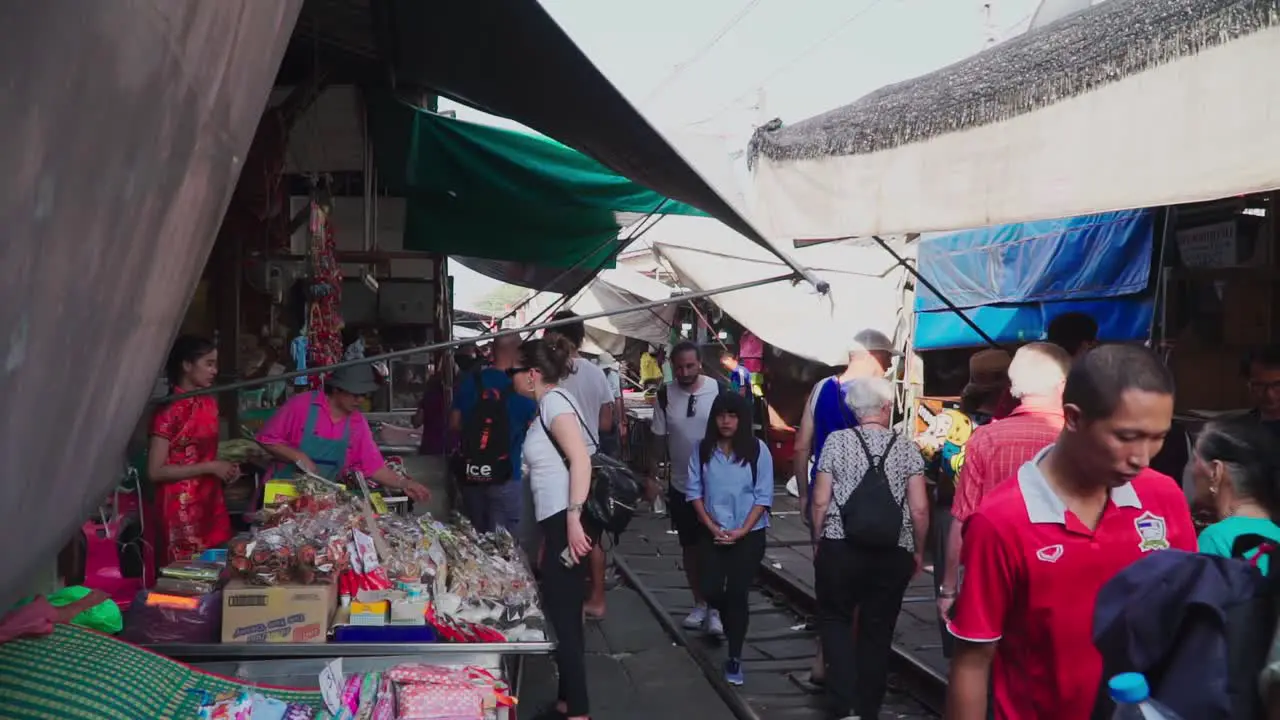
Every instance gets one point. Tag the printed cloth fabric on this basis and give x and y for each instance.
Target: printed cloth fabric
(297, 711)
(189, 515)
(454, 700)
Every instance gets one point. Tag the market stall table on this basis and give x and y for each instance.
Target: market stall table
(299, 665)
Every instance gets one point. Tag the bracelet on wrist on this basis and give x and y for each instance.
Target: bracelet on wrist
(946, 593)
(575, 508)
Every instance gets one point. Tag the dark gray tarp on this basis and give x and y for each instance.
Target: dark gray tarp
(514, 61)
(123, 127)
(543, 278)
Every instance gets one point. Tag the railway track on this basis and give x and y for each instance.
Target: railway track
(779, 646)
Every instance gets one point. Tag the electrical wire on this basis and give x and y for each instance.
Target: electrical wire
(680, 68)
(784, 67)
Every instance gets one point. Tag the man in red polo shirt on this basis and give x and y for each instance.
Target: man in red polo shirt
(996, 450)
(1038, 549)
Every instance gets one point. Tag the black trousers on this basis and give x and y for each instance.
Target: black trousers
(871, 581)
(940, 529)
(564, 589)
(726, 574)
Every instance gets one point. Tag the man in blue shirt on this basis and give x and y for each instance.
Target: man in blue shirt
(491, 506)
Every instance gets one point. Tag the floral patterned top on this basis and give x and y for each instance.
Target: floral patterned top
(191, 514)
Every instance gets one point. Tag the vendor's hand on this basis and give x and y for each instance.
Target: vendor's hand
(305, 463)
(224, 470)
(416, 492)
(579, 543)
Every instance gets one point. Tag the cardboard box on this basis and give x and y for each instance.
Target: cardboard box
(370, 613)
(280, 614)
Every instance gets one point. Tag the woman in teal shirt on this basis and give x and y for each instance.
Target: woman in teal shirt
(1237, 473)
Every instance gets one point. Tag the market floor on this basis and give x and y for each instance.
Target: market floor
(634, 669)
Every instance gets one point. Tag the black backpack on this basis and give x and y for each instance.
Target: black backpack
(615, 491)
(871, 515)
(484, 454)
(1239, 624)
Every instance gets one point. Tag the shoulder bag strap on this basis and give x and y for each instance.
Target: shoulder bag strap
(866, 449)
(552, 437)
(559, 451)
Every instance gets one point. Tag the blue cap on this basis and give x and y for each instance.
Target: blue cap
(1129, 688)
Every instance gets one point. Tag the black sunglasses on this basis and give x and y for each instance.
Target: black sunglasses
(693, 406)
(512, 372)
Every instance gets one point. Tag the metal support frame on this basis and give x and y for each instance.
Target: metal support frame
(793, 277)
(620, 244)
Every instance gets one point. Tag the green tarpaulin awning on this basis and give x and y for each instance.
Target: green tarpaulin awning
(486, 192)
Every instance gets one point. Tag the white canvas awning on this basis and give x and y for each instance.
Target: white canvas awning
(867, 286)
(1125, 105)
(615, 290)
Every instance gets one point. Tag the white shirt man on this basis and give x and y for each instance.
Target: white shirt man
(678, 428)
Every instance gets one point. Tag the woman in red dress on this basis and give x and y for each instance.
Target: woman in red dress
(189, 514)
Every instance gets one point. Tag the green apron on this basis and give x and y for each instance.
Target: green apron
(328, 455)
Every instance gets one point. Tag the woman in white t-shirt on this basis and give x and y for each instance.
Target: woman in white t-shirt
(559, 478)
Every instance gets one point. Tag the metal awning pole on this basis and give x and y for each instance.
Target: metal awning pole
(501, 333)
(933, 289)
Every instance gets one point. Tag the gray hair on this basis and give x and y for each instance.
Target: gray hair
(868, 397)
(1038, 370)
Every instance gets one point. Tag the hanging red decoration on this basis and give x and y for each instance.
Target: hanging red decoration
(324, 318)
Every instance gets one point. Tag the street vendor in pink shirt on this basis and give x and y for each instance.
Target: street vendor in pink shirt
(325, 433)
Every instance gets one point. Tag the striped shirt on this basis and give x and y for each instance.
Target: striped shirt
(996, 451)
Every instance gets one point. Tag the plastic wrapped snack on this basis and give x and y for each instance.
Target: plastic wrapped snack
(316, 496)
(322, 553)
(407, 560)
(189, 588)
(267, 558)
(228, 706)
(206, 572)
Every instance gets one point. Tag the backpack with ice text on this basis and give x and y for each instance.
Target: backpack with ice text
(871, 516)
(484, 454)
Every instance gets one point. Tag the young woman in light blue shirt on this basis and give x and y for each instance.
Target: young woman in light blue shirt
(1237, 472)
(731, 489)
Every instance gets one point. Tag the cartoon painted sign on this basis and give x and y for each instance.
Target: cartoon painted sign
(941, 433)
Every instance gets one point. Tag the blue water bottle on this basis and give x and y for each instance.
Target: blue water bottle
(1133, 699)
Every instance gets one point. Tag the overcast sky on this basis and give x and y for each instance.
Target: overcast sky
(721, 67)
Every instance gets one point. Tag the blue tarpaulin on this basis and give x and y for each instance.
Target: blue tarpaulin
(1012, 280)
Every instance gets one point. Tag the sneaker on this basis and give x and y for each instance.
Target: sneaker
(714, 626)
(696, 619)
(733, 672)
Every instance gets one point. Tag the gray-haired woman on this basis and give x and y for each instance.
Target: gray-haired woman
(862, 562)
